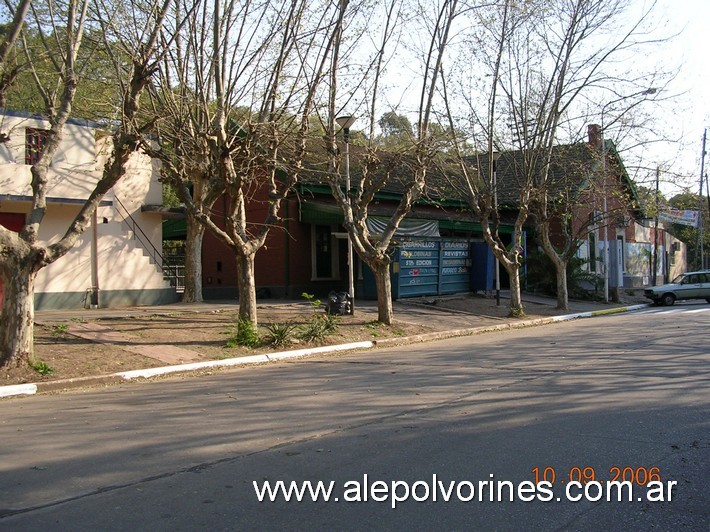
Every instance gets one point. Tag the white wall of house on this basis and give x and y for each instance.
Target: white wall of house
(126, 273)
(671, 256)
(638, 257)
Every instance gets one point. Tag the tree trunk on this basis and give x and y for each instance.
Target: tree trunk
(381, 270)
(18, 317)
(247, 287)
(562, 295)
(516, 301)
(193, 260)
(559, 261)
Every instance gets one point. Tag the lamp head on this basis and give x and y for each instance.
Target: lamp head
(345, 122)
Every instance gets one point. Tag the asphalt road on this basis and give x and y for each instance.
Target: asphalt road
(618, 395)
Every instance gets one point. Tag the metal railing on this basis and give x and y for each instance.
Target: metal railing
(176, 271)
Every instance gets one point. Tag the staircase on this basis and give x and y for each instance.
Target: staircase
(172, 268)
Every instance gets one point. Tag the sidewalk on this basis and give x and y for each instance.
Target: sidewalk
(442, 317)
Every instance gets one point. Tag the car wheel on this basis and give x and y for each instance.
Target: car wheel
(707, 299)
(668, 299)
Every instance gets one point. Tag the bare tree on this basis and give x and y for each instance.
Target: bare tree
(10, 69)
(241, 89)
(576, 66)
(22, 254)
(494, 29)
(376, 168)
(549, 63)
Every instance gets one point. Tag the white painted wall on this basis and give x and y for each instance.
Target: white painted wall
(122, 264)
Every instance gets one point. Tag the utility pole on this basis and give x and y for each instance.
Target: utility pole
(655, 231)
(699, 248)
(346, 122)
(707, 197)
(495, 156)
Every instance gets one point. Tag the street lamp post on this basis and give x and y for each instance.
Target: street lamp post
(604, 184)
(654, 277)
(495, 156)
(345, 123)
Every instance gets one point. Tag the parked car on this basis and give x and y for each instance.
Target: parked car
(690, 285)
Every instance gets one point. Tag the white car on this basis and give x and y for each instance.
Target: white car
(690, 285)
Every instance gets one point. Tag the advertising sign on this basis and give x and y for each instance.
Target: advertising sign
(677, 216)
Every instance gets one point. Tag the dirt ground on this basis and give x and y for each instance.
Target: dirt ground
(205, 335)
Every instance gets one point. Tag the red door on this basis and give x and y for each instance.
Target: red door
(13, 222)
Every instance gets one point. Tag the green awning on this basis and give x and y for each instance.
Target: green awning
(470, 226)
(321, 214)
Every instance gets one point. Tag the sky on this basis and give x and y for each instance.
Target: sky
(687, 114)
(680, 109)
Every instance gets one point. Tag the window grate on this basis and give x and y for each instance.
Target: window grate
(35, 141)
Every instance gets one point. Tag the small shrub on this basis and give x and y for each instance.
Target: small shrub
(312, 301)
(246, 335)
(319, 328)
(313, 331)
(541, 277)
(41, 367)
(331, 322)
(280, 334)
(320, 325)
(374, 327)
(60, 330)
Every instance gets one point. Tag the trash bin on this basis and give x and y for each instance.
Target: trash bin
(338, 304)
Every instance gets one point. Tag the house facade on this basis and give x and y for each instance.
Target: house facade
(610, 214)
(116, 261)
(440, 246)
(308, 252)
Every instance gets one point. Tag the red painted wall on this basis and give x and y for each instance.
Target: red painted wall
(13, 222)
(284, 261)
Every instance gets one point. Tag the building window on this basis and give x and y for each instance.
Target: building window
(35, 141)
(324, 252)
(592, 252)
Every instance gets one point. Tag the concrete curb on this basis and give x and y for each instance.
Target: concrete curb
(442, 335)
(115, 378)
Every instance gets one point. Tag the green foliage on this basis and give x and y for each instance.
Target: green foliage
(688, 234)
(315, 303)
(374, 327)
(98, 92)
(397, 131)
(319, 327)
(280, 334)
(170, 197)
(542, 278)
(60, 329)
(245, 335)
(41, 367)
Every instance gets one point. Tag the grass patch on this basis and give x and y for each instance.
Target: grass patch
(280, 334)
(245, 335)
(41, 367)
(60, 329)
(319, 327)
(377, 328)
